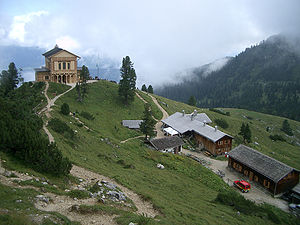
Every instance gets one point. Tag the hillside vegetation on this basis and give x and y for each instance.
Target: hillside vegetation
(263, 78)
(184, 192)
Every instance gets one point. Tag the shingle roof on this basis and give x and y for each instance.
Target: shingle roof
(53, 51)
(263, 164)
(167, 142)
(132, 124)
(183, 123)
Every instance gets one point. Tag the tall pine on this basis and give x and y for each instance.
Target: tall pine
(10, 79)
(127, 82)
(147, 126)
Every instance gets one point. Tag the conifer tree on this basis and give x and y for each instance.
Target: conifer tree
(144, 88)
(192, 101)
(286, 128)
(65, 109)
(84, 76)
(127, 82)
(245, 132)
(10, 79)
(147, 126)
(150, 89)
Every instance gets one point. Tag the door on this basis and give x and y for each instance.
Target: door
(251, 176)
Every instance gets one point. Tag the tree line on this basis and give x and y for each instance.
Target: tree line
(20, 127)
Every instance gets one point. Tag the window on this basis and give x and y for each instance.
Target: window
(59, 66)
(64, 65)
(68, 65)
(46, 77)
(220, 142)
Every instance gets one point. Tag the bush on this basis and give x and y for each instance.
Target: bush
(65, 109)
(222, 123)
(87, 115)
(60, 127)
(78, 194)
(219, 111)
(277, 137)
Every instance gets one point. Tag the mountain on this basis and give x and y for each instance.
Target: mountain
(263, 78)
(29, 58)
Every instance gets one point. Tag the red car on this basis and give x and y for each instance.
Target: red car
(244, 186)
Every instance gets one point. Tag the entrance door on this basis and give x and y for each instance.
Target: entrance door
(251, 176)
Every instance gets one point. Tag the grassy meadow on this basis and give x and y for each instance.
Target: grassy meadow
(184, 192)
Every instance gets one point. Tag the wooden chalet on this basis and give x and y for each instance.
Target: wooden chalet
(207, 137)
(171, 144)
(275, 176)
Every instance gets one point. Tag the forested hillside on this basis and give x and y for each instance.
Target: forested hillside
(264, 78)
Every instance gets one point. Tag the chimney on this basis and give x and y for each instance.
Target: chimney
(216, 128)
(204, 123)
(195, 112)
(183, 113)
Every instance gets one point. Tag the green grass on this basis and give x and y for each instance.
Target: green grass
(286, 152)
(56, 89)
(184, 192)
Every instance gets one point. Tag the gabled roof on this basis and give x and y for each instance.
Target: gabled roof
(132, 124)
(183, 123)
(166, 143)
(55, 50)
(263, 164)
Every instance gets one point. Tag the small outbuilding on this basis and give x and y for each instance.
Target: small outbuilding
(172, 144)
(295, 194)
(169, 131)
(275, 176)
(132, 124)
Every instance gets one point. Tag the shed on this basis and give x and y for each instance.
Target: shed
(132, 124)
(274, 175)
(167, 144)
(295, 194)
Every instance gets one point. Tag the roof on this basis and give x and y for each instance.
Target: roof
(42, 69)
(263, 164)
(166, 142)
(55, 50)
(170, 131)
(132, 124)
(296, 189)
(184, 122)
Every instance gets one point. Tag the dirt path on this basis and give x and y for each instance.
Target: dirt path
(160, 133)
(122, 142)
(257, 193)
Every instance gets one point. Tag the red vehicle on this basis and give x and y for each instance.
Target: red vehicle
(243, 185)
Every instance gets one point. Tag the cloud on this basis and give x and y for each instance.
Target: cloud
(18, 31)
(161, 37)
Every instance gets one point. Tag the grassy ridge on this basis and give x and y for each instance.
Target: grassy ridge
(287, 152)
(184, 192)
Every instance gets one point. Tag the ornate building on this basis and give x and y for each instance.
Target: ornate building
(60, 67)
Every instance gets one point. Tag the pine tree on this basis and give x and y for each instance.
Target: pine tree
(150, 89)
(65, 109)
(192, 101)
(147, 126)
(286, 128)
(127, 82)
(144, 88)
(84, 76)
(10, 79)
(245, 132)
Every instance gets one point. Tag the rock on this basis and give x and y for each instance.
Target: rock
(44, 183)
(43, 179)
(256, 143)
(80, 179)
(19, 201)
(238, 213)
(131, 223)
(160, 166)
(110, 186)
(7, 173)
(67, 190)
(104, 182)
(37, 179)
(115, 195)
(75, 199)
(54, 185)
(42, 198)
(74, 208)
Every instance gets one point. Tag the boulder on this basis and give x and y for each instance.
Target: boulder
(160, 166)
(42, 198)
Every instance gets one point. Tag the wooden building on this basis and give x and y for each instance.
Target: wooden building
(275, 176)
(170, 144)
(207, 137)
(60, 67)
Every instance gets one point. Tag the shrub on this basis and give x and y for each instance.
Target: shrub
(286, 128)
(65, 109)
(277, 137)
(78, 194)
(60, 127)
(219, 111)
(222, 123)
(87, 115)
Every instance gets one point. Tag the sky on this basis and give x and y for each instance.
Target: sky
(162, 37)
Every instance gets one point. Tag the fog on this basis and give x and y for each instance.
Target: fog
(161, 37)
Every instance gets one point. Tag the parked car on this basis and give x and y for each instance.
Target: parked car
(295, 209)
(244, 186)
